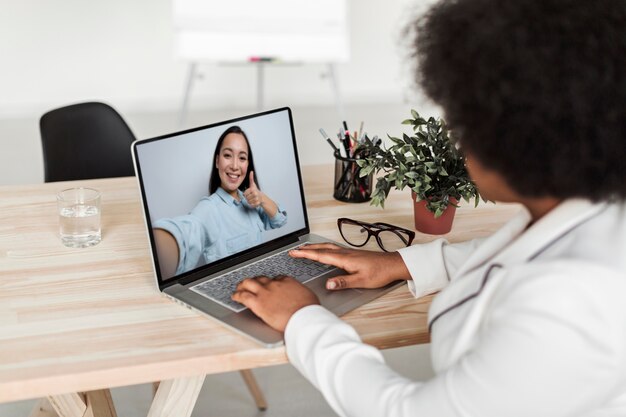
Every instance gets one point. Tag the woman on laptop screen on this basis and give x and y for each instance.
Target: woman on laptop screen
(230, 219)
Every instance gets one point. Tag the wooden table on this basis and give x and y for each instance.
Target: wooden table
(84, 320)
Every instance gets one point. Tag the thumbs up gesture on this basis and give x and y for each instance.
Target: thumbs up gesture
(253, 195)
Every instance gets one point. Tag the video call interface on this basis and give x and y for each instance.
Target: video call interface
(203, 203)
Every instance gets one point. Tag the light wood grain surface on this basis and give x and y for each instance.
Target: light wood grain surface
(75, 320)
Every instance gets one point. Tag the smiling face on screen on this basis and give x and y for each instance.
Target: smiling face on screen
(232, 162)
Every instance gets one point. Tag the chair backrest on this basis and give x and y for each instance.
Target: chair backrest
(84, 141)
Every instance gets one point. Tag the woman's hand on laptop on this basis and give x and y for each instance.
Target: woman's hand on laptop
(366, 269)
(274, 300)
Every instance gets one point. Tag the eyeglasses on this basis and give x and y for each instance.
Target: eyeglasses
(389, 237)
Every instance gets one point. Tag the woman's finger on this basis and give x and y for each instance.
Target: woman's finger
(250, 285)
(244, 297)
(263, 279)
(329, 257)
(325, 245)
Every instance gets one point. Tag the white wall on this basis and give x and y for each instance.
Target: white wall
(57, 52)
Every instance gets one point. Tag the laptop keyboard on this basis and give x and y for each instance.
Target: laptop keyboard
(221, 288)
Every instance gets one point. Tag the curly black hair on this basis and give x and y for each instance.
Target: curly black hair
(535, 89)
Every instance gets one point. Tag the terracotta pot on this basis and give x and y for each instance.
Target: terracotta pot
(426, 222)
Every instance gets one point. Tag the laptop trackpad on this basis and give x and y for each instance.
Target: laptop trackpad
(331, 299)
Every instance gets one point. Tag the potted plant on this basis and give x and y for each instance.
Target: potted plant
(429, 163)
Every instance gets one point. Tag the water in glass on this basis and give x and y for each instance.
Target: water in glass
(79, 217)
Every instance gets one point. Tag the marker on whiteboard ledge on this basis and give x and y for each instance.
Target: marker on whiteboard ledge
(262, 59)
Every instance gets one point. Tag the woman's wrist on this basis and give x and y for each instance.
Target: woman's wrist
(263, 200)
(397, 267)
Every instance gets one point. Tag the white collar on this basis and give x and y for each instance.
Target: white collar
(516, 241)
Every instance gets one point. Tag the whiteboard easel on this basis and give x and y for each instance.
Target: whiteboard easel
(261, 32)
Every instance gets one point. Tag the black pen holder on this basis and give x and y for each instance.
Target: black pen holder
(349, 185)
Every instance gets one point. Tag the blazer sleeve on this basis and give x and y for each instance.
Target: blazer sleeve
(432, 265)
(553, 345)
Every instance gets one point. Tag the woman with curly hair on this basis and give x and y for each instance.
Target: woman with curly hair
(532, 320)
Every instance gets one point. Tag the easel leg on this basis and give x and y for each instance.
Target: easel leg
(334, 85)
(191, 75)
(260, 80)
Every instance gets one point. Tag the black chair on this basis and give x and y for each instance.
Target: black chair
(85, 141)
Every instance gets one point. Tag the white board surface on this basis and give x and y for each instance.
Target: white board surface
(244, 30)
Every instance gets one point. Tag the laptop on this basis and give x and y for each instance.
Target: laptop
(203, 244)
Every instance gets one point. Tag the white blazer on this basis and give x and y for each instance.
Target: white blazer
(531, 322)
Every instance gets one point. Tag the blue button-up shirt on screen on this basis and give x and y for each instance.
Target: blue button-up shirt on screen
(218, 226)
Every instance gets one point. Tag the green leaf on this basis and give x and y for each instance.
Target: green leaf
(364, 172)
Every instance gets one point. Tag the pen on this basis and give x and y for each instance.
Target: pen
(348, 139)
(332, 145)
(345, 141)
(330, 142)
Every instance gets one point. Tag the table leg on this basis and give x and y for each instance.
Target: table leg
(100, 404)
(176, 397)
(256, 392)
(89, 404)
(155, 388)
(68, 405)
(43, 408)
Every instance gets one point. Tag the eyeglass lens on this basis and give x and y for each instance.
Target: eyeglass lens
(354, 234)
(392, 240)
(389, 240)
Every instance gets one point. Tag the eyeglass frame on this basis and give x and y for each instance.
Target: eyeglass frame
(368, 226)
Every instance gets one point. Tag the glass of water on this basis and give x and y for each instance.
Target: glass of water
(79, 217)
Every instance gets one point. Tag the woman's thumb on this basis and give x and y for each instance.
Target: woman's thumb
(341, 282)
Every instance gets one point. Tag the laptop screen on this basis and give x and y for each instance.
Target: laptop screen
(216, 193)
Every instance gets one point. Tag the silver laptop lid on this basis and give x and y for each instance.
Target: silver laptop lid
(212, 230)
